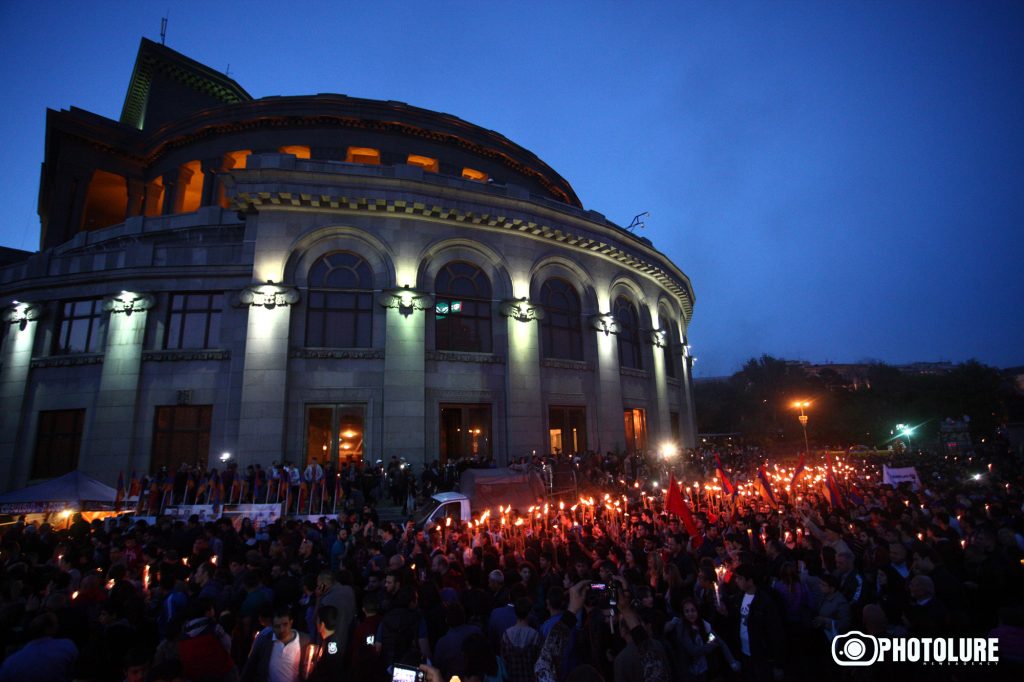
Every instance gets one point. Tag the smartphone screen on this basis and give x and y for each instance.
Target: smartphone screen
(405, 673)
(369, 640)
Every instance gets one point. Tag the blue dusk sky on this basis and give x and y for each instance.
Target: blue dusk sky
(841, 180)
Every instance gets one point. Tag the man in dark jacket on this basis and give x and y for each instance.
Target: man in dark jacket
(329, 663)
(757, 624)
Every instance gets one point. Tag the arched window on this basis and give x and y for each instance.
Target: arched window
(340, 310)
(561, 330)
(462, 313)
(629, 333)
(671, 336)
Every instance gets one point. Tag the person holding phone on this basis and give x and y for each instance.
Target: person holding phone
(693, 642)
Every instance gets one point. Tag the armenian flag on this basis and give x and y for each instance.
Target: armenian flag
(766, 487)
(727, 485)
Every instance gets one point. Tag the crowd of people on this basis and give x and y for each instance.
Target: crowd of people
(744, 587)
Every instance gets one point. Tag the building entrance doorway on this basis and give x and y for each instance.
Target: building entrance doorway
(465, 432)
(636, 430)
(567, 429)
(334, 433)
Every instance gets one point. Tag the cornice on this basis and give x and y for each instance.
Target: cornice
(455, 356)
(337, 354)
(185, 355)
(255, 201)
(558, 363)
(72, 360)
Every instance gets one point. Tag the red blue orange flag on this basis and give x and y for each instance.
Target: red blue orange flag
(727, 485)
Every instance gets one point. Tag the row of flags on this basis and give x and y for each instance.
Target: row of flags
(838, 496)
(213, 488)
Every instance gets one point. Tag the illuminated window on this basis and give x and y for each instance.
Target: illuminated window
(671, 344)
(629, 333)
(154, 197)
(425, 162)
(296, 150)
(635, 423)
(190, 188)
(366, 155)
(561, 331)
(194, 321)
(236, 160)
(58, 441)
(340, 309)
(567, 429)
(473, 174)
(106, 201)
(80, 328)
(337, 429)
(462, 312)
(181, 435)
(465, 432)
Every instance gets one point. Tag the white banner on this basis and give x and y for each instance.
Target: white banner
(897, 475)
(203, 511)
(260, 514)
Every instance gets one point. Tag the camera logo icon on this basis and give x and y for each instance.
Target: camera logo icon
(855, 649)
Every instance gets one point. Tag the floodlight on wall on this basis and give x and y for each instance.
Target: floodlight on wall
(268, 295)
(128, 302)
(406, 300)
(604, 322)
(521, 309)
(20, 313)
(658, 338)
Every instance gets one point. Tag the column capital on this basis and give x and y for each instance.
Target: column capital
(406, 300)
(604, 322)
(269, 296)
(128, 302)
(521, 309)
(21, 313)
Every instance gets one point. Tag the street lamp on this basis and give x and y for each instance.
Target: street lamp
(905, 430)
(803, 421)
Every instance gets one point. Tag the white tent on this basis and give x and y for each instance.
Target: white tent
(74, 490)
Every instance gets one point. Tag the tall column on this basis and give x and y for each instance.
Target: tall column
(136, 197)
(404, 409)
(210, 167)
(524, 419)
(262, 422)
(170, 198)
(19, 325)
(109, 448)
(610, 431)
(688, 413)
(663, 427)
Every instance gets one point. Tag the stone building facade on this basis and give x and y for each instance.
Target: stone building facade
(290, 277)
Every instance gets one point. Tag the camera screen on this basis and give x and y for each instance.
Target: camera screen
(598, 587)
(404, 673)
(369, 640)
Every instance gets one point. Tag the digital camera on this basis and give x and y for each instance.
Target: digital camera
(855, 649)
